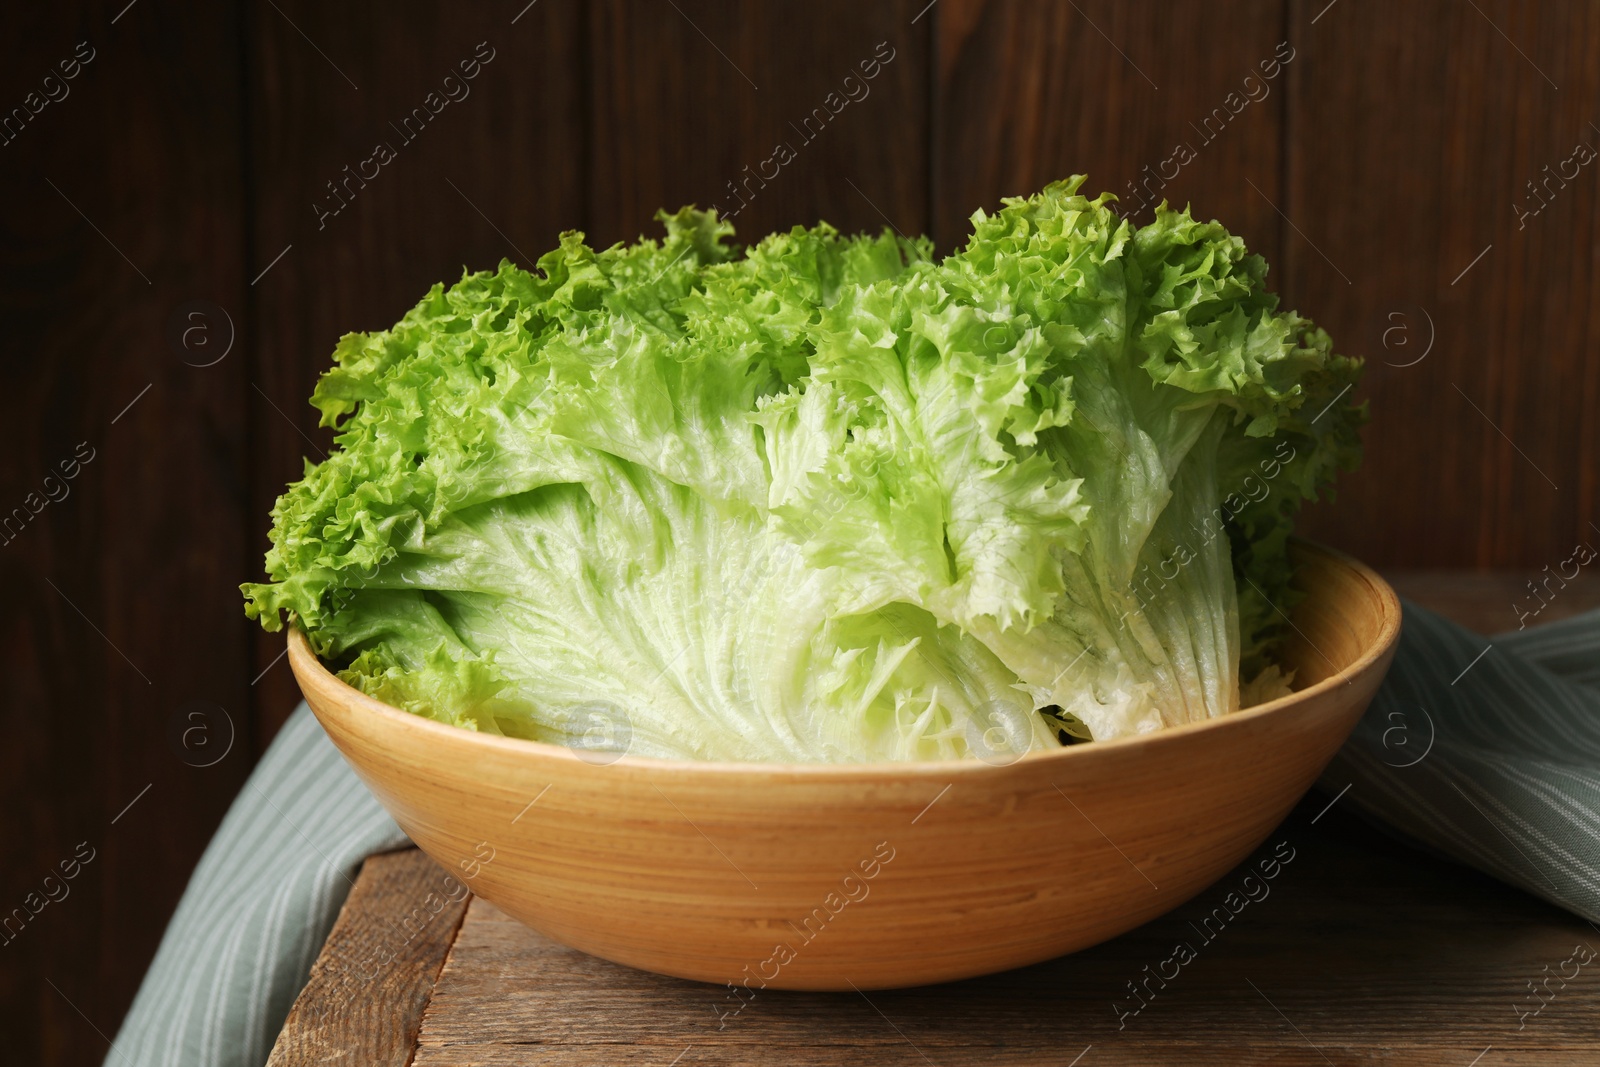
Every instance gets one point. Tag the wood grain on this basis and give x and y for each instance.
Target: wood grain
(1414, 130)
(115, 213)
(1356, 947)
(1028, 93)
(689, 95)
(363, 1002)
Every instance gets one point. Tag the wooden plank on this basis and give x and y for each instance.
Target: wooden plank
(363, 1003)
(692, 101)
(1355, 947)
(1028, 93)
(497, 171)
(1231, 1055)
(1495, 601)
(120, 197)
(1415, 130)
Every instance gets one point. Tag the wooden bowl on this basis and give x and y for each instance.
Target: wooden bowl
(823, 876)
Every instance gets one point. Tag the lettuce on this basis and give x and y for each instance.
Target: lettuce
(828, 498)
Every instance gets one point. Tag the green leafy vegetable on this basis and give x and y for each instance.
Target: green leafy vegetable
(827, 498)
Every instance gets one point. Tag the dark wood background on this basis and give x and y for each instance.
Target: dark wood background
(1382, 176)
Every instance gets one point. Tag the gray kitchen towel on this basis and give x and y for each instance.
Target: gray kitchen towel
(1484, 749)
(257, 908)
(1488, 750)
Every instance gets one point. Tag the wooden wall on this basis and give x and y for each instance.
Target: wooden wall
(167, 204)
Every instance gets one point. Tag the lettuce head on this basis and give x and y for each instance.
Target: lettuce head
(824, 498)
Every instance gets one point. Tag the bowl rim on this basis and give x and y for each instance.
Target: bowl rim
(310, 672)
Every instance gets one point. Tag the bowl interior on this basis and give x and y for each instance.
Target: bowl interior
(1346, 616)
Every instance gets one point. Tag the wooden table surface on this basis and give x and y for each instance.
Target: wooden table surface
(1363, 951)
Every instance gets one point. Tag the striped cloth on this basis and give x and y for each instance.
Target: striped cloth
(1486, 750)
(257, 909)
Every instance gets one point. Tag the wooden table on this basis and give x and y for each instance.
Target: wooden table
(1364, 951)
